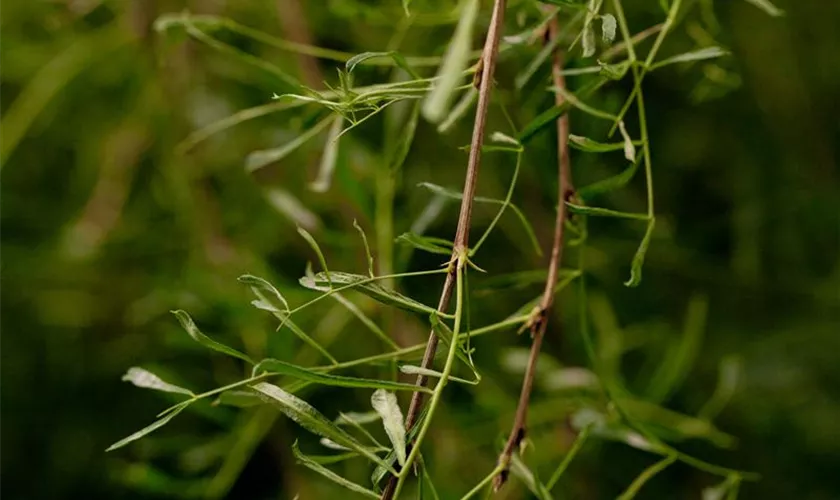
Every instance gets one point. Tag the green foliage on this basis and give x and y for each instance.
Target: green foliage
(122, 200)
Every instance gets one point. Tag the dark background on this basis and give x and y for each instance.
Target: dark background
(106, 227)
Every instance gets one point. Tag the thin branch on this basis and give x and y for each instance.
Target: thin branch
(540, 321)
(461, 243)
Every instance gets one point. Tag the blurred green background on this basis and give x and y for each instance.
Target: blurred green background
(107, 226)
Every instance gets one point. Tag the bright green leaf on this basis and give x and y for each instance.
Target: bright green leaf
(639, 258)
(604, 212)
(695, 55)
(259, 159)
(610, 183)
(768, 7)
(454, 64)
(149, 429)
(386, 405)
(364, 285)
(288, 369)
(148, 380)
(398, 59)
(311, 419)
(332, 476)
(195, 333)
(426, 243)
(314, 244)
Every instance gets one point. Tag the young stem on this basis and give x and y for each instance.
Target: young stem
(461, 243)
(447, 370)
(538, 326)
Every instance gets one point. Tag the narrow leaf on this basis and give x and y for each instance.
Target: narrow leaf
(588, 40)
(355, 418)
(288, 369)
(311, 419)
(604, 212)
(629, 148)
(386, 405)
(426, 243)
(768, 7)
(639, 258)
(463, 105)
(238, 399)
(398, 59)
(590, 146)
(608, 26)
(329, 157)
(332, 476)
(695, 55)
(426, 372)
(147, 430)
(367, 247)
(148, 380)
(548, 116)
(364, 285)
(455, 62)
(195, 333)
(645, 476)
(314, 244)
(456, 195)
(610, 183)
(263, 290)
(398, 154)
(259, 159)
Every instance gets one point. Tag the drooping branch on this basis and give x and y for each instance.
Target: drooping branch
(540, 320)
(461, 242)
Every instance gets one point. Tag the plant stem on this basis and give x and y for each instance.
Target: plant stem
(461, 242)
(538, 326)
(447, 370)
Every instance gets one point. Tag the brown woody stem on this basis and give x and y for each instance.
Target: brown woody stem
(538, 325)
(461, 243)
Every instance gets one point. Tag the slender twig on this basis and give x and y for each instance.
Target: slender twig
(461, 243)
(540, 321)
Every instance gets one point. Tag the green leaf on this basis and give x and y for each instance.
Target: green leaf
(608, 26)
(695, 55)
(367, 247)
(610, 183)
(288, 369)
(524, 474)
(456, 195)
(768, 7)
(674, 425)
(195, 333)
(149, 429)
(355, 418)
(329, 157)
(426, 243)
(457, 111)
(298, 331)
(729, 371)
(263, 290)
(588, 40)
(314, 244)
(586, 144)
(398, 154)
(395, 56)
(332, 476)
(639, 258)
(259, 159)
(366, 286)
(645, 476)
(629, 147)
(604, 212)
(454, 64)
(148, 380)
(548, 116)
(426, 372)
(614, 71)
(238, 399)
(680, 356)
(386, 405)
(312, 420)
